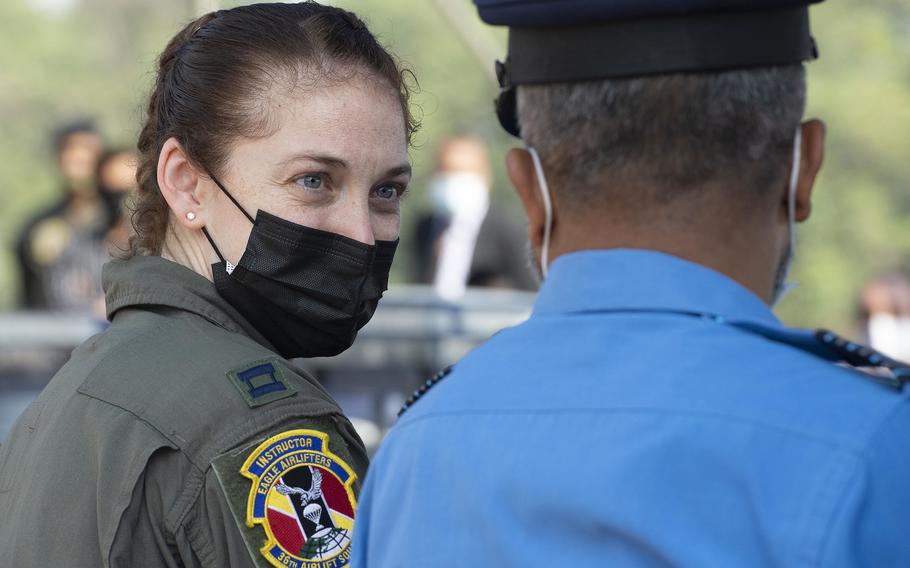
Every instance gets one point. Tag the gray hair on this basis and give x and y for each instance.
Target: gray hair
(664, 135)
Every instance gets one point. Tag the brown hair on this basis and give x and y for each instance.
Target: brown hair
(213, 72)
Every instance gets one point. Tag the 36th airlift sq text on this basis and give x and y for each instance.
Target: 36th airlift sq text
(336, 562)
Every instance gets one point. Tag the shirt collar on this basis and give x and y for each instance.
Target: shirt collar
(155, 281)
(630, 280)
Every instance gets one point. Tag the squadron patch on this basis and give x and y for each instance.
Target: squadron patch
(303, 498)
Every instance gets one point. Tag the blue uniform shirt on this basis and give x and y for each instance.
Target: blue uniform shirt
(610, 429)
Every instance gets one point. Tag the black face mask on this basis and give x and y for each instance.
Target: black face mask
(307, 291)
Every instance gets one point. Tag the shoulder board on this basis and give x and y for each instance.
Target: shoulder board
(873, 363)
(424, 388)
(832, 347)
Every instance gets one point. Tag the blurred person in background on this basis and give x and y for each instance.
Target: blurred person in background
(467, 240)
(884, 314)
(60, 251)
(116, 174)
(653, 411)
(273, 160)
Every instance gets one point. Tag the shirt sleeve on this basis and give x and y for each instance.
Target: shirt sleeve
(140, 538)
(869, 524)
(208, 536)
(182, 515)
(211, 537)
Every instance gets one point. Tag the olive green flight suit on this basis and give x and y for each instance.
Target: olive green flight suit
(131, 456)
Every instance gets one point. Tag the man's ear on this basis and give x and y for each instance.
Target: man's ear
(520, 167)
(178, 180)
(812, 156)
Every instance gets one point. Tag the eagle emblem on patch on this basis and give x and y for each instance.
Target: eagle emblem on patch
(302, 496)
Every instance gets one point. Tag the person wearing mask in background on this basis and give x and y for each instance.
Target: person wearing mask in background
(60, 250)
(467, 240)
(273, 160)
(116, 178)
(885, 314)
(116, 174)
(653, 411)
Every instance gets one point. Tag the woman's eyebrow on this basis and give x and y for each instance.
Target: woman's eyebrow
(340, 163)
(328, 160)
(404, 169)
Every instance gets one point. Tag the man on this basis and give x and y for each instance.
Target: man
(61, 249)
(467, 240)
(652, 411)
(884, 313)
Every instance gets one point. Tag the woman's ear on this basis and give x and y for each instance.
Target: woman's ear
(520, 167)
(178, 181)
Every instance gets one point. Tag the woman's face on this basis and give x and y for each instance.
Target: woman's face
(337, 162)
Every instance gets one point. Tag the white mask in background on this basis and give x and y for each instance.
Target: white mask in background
(463, 195)
(466, 198)
(890, 334)
(781, 286)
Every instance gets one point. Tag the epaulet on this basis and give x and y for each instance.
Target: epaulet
(424, 388)
(832, 347)
(874, 364)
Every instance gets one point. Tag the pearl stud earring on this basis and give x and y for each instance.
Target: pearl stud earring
(190, 216)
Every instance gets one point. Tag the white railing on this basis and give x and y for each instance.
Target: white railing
(412, 335)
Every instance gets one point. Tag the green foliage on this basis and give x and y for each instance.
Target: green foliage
(859, 226)
(97, 59)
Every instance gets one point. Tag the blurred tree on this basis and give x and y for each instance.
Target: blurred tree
(861, 219)
(96, 57)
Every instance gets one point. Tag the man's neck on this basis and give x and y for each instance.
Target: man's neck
(742, 254)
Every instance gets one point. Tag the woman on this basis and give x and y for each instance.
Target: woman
(272, 164)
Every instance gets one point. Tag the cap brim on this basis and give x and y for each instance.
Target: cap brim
(648, 46)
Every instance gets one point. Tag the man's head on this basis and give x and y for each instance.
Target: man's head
(464, 154)
(684, 144)
(669, 136)
(461, 184)
(77, 147)
(884, 313)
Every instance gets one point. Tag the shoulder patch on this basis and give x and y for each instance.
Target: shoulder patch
(295, 500)
(424, 388)
(261, 382)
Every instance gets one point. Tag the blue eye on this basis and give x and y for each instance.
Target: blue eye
(387, 192)
(311, 182)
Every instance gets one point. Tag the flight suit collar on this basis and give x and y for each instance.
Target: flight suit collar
(633, 280)
(155, 281)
